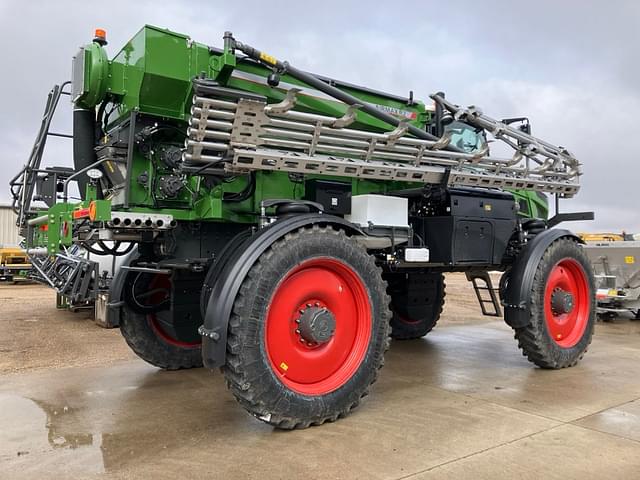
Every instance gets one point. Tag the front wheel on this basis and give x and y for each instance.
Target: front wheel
(308, 331)
(561, 307)
(417, 300)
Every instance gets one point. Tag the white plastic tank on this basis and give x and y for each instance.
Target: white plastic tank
(8, 230)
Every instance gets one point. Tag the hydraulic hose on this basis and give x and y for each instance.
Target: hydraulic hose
(313, 81)
(109, 251)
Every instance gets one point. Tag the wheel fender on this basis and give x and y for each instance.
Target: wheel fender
(227, 284)
(522, 273)
(116, 289)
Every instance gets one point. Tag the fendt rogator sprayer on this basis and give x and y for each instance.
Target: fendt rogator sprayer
(282, 225)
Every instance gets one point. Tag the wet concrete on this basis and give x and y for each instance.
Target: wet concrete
(461, 403)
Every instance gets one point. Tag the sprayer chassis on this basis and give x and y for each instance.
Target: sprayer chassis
(281, 225)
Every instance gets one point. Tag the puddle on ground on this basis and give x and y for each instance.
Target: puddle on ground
(105, 420)
(36, 434)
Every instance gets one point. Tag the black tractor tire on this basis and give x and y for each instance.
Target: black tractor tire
(415, 315)
(150, 337)
(270, 367)
(558, 337)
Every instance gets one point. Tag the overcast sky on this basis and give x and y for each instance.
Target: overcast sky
(570, 66)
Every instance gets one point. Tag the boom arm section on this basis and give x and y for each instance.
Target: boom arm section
(259, 136)
(540, 157)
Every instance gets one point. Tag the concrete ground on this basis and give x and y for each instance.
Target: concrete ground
(461, 403)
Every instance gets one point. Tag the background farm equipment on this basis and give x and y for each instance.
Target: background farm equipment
(616, 265)
(14, 265)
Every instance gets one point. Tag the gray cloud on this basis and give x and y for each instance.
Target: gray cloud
(570, 66)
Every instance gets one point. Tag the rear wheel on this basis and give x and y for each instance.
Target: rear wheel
(417, 300)
(150, 329)
(308, 330)
(562, 308)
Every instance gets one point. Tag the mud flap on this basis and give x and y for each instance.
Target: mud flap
(522, 275)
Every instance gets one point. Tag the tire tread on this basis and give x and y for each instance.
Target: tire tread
(258, 395)
(533, 339)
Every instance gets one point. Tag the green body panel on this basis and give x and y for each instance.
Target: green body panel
(102, 210)
(153, 72)
(59, 228)
(91, 76)
(532, 204)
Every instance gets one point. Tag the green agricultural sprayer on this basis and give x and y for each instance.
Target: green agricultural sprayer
(282, 226)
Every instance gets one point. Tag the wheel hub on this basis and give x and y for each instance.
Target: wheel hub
(561, 302)
(316, 325)
(567, 302)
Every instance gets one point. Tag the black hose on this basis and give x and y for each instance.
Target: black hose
(132, 296)
(99, 117)
(332, 91)
(90, 249)
(114, 251)
(209, 164)
(153, 292)
(245, 194)
(107, 250)
(84, 132)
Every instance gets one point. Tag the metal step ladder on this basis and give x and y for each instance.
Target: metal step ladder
(485, 293)
(23, 184)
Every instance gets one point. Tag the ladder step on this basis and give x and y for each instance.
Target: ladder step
(486, 286)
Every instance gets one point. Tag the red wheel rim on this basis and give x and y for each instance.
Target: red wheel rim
(567, 328)
(321, 368)
(155, 324)
(407, 320)
(163, 282)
